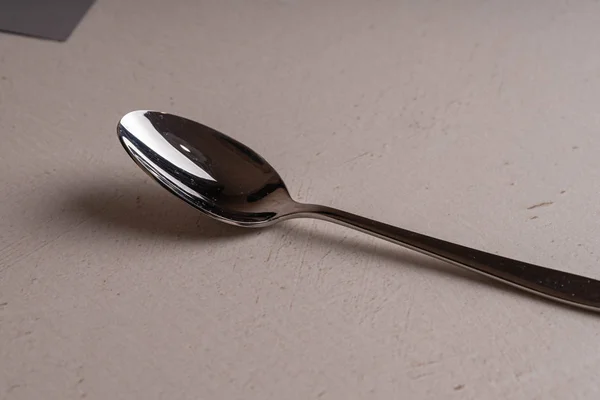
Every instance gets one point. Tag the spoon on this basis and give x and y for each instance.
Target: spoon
(231, 183)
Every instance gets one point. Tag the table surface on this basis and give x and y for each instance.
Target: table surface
(472, 121)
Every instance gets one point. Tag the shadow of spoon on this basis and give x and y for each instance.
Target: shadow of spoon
(143, 209)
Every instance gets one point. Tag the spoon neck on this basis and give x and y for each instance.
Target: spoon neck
(307, 210)
(330, 214)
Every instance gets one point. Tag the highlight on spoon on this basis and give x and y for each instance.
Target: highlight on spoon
(136, 121)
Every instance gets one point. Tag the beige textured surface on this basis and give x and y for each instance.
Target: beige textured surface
(449, 118)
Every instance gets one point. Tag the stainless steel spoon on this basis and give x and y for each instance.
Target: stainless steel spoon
(228, 181)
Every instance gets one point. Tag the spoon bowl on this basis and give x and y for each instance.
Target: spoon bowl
(187, 158)
(228, 181)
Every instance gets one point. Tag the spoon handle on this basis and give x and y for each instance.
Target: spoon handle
(558, 285)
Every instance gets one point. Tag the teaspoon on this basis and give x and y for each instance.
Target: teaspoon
(233, 184)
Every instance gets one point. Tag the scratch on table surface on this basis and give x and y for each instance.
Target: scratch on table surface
(465, 222)
(472, 53)
(418, 364)
(299, 190)
(366, 153)
(410, 301)
(501, 85)
(328, 252)
(542, 204)
(422, 375)
(299, 268)
(365, 283)
(11, 388)
(269, 256)
(280, 245)
(321, 270)
(7, 252)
